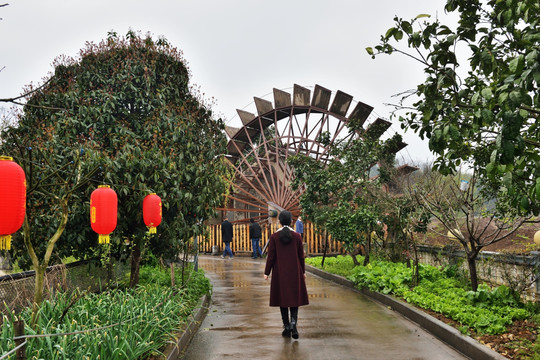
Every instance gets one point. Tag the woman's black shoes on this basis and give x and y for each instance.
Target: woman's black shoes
(290, 330)
(286, 331)
(294, 331)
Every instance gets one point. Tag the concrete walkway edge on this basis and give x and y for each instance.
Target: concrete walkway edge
(176, 350)
(451, 336)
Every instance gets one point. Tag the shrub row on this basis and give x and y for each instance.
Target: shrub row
(486, 311)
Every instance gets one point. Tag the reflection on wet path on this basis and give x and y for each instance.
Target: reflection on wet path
(338, 324)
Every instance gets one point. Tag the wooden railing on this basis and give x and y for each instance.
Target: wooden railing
(314, 240)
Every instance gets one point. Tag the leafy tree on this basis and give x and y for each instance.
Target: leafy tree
(54, 175)
(129, 100)
(403, 219)
(340, 195)
(480, 101)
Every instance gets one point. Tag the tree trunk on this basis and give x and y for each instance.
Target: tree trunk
(185, 261)
(109, 267)
(366, 259)
(368, 250)
(38, 292)
(135, 263)
(354, 259)
(471, 260)
(416, 276)
(325, 249)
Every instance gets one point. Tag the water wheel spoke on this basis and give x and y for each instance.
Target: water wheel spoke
(262, 147)
(242, 174)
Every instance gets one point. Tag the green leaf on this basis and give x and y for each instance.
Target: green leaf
(474, 99)
(508, 150)
(422, 16)
(444, 30)
(507, 179)
(524, 203)
(531, 57)
(536, 76)
(455, 135)
(485, 57)
(487, 115)
(515, 96)
(406, 26)
(490, 168)
(516, 64)
(486, 93)
(369, 50)
(389, 33)
(503, 97)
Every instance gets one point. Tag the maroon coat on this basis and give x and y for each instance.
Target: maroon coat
(288, 285)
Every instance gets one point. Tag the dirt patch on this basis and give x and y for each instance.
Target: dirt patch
(519, 242)
(516, 343)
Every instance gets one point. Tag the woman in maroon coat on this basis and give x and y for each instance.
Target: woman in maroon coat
(286, 262)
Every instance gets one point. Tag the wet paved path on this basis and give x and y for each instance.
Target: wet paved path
(337, 324)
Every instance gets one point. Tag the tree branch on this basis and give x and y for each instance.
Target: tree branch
(13, 100)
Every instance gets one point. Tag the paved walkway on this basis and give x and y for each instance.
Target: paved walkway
(337, 324)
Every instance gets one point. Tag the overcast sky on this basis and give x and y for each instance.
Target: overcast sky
(236, 49)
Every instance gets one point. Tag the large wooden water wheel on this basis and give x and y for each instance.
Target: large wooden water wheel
(258, 150)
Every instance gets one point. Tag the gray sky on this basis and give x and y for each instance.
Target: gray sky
(236, 49)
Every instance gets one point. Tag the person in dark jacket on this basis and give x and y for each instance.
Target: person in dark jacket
(227, 236)
(286, 262)
(255, 236)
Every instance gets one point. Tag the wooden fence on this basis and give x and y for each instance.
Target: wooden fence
(315, 241)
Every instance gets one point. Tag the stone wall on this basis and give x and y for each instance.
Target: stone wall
(519, 272)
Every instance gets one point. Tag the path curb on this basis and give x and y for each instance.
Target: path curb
(449, 335)
(176, 351)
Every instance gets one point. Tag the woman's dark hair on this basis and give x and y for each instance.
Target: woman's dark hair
(285, 218)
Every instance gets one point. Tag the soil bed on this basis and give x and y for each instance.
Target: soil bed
(516, 343)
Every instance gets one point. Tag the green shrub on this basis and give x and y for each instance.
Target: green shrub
(339, 265)
(384, 277)
(484, 311)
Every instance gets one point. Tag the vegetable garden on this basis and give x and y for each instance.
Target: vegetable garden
(117, 323)
(495, 316)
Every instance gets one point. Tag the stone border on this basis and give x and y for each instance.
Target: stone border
(176, 351)
(446, 333)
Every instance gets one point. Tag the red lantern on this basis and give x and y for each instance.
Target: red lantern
(12, 200)
(103, 212)
(152, 212)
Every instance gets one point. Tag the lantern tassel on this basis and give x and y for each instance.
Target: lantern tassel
(152, 230)
(5, 242)
(104, 239)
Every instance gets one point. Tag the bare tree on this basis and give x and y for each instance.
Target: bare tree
(462, 211)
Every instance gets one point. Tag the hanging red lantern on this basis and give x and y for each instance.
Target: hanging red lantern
(103, 212)
(152, 212)
(12, 200)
